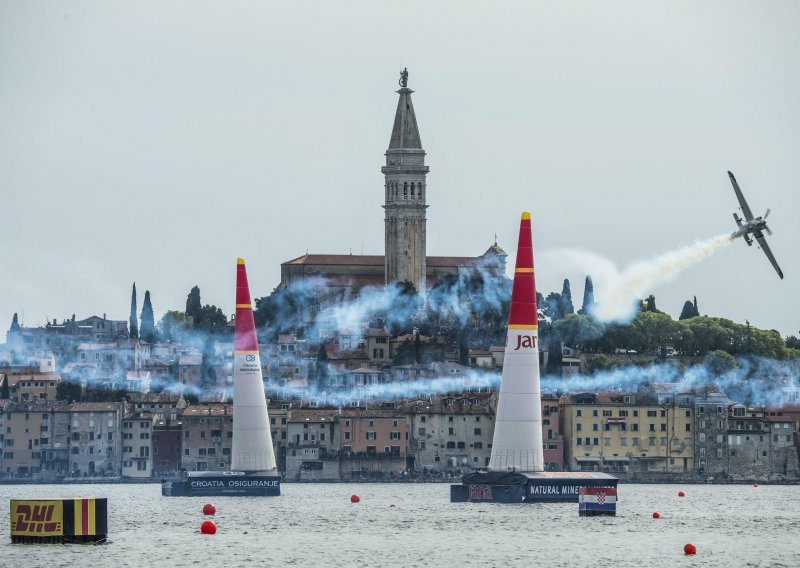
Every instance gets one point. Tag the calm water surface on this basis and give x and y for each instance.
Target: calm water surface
(316, 525)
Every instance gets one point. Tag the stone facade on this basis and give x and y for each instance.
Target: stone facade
(711, 434)
(207, 437)
(137, 444)
(313, 448)
(95, 441)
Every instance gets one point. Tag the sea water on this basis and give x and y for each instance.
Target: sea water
(317, 525)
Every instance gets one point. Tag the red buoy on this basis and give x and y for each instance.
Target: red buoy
(209, 509)
(681, 494)
(354, 498)
(208, 527)
(656, 516)
(690, 549)
(755, 485)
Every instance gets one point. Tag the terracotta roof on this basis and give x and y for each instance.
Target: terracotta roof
(375, 260)
(208, 410)
(312, 415)
(95, 406)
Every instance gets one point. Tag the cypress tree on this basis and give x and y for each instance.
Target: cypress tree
(193, 305)
(134, 325)
(696, 311)
(4, 394)
(148, 328)
(687, 311)
(15, 328)
(588, 297)
(651, 304)
(566, 307)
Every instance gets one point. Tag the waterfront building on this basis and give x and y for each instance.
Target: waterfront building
(54, 444)
(313, 445)
(618, 432)
(23, 432)
(760, 446)
(552, 440)
(711, 434)
(450, 434)
(95, 441)
(373, 443)
(207, 437)
(278, 420)
(137, 444)
(167, 438)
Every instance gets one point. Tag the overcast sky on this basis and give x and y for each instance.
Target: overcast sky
(157, 141)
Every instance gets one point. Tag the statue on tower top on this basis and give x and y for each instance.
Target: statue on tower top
(404, 77)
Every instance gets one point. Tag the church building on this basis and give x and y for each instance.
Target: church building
(405, 205)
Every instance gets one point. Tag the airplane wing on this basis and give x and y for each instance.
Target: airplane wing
(762, 242)
(748, 215)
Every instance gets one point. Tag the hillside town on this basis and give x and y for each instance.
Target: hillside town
(88, 400)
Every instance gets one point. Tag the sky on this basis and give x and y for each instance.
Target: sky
(156, 142)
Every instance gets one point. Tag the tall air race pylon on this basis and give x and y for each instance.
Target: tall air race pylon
(252, 439)
(517, 443)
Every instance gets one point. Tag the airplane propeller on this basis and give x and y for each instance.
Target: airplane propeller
(769, 232)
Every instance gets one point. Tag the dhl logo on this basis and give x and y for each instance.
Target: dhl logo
(36, 518)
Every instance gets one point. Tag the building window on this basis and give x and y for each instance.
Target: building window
(688, 427)
(477, 431)
(371, 436)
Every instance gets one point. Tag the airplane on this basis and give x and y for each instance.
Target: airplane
(752, 226)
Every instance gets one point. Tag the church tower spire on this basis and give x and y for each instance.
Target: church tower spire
(405, 190)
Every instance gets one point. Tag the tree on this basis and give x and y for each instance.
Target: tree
(792, 342)
(15, 328)
(588, 297)
(601, 363)
(193, 305)
(417, 348)
(69, 391)
(148, 329)
(4, 394)
(173, 324)
(696, 311)
(687, 311)
(719, 362)
(552, 306)
(210, 319)
(651, 304)
(134, 326)
(565, 305)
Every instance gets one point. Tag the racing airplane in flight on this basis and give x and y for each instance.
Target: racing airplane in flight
(752, 226)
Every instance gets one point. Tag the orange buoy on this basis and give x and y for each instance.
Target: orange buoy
(681, 494)
(209, 509)
(208, 527)
(689, 549)
(656, 516)
(354, 498)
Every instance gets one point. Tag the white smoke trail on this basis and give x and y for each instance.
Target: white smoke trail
(619, 290)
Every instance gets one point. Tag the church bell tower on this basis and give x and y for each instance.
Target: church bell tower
(405, 188)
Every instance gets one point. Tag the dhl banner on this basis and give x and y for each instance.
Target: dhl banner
(37, 518)
(81, 519)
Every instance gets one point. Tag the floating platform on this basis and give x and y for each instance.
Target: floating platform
(229, 483)
(527, 487)
(59, 521)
